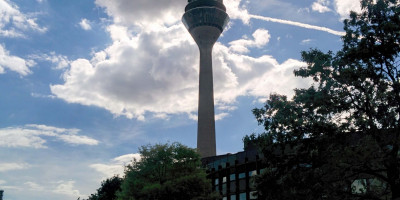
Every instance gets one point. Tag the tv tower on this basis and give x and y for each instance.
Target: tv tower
(205, 20)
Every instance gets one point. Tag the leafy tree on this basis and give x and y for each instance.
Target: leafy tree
(108, 189)
(339, 139)
(165, 171)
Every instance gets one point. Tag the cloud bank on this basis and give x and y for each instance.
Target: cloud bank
(36, 136)
(148, 70)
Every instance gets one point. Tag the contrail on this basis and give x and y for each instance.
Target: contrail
(308, 26)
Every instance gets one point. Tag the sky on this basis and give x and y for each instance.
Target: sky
(85, 83)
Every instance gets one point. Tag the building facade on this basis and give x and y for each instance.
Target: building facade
(232, 175)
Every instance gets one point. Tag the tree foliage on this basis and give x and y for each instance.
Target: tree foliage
(339, 139)
(165, 171)
(108, 189)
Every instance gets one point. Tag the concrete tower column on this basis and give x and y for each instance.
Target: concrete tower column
(205, 20)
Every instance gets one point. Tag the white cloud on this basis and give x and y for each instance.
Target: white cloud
(256, 77)
(66, 188)
(237, 10)
(220, 116)
(303, 10)
(13, 166)
(59, 61)
(343, 7)
(59, 188)
(33, 136)
(127, 158)
(108, 170)
(119, 33)
(62, 187)
(115, 166)
(13, 23)
(306, 41)
(38, 95)
(7, 187)
(261, 38)
(14, 63)
(85, 24)
(321, 6)
(78, 139)
(34, 186)
(150, 14)
(18, 137)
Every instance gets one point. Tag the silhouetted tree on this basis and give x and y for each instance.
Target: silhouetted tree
(339, 139)
(108, 189)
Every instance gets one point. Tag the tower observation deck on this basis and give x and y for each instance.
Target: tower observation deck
(205, 20)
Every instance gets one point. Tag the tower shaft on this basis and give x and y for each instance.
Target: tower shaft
(205, 20)
(206, 143)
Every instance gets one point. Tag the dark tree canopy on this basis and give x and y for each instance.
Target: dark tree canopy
(165, 172)
(339, 139)
(108, 189)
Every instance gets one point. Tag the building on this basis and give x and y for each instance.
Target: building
(205, 20)
(1, 194)
(231, 174)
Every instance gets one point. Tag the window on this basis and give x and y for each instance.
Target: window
(242, 185)
(233, 197)
(224, 189)
(242, 196)
(232, 177)
(233, 186)
(242, 175)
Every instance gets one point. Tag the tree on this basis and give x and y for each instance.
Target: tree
(108, 189)
(339, 139)
(165, 171)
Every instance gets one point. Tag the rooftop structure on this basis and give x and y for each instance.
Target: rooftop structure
(205, 20)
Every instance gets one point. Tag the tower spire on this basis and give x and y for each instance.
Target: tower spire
(205, 20)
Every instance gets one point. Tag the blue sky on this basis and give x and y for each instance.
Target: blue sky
(85, 83)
